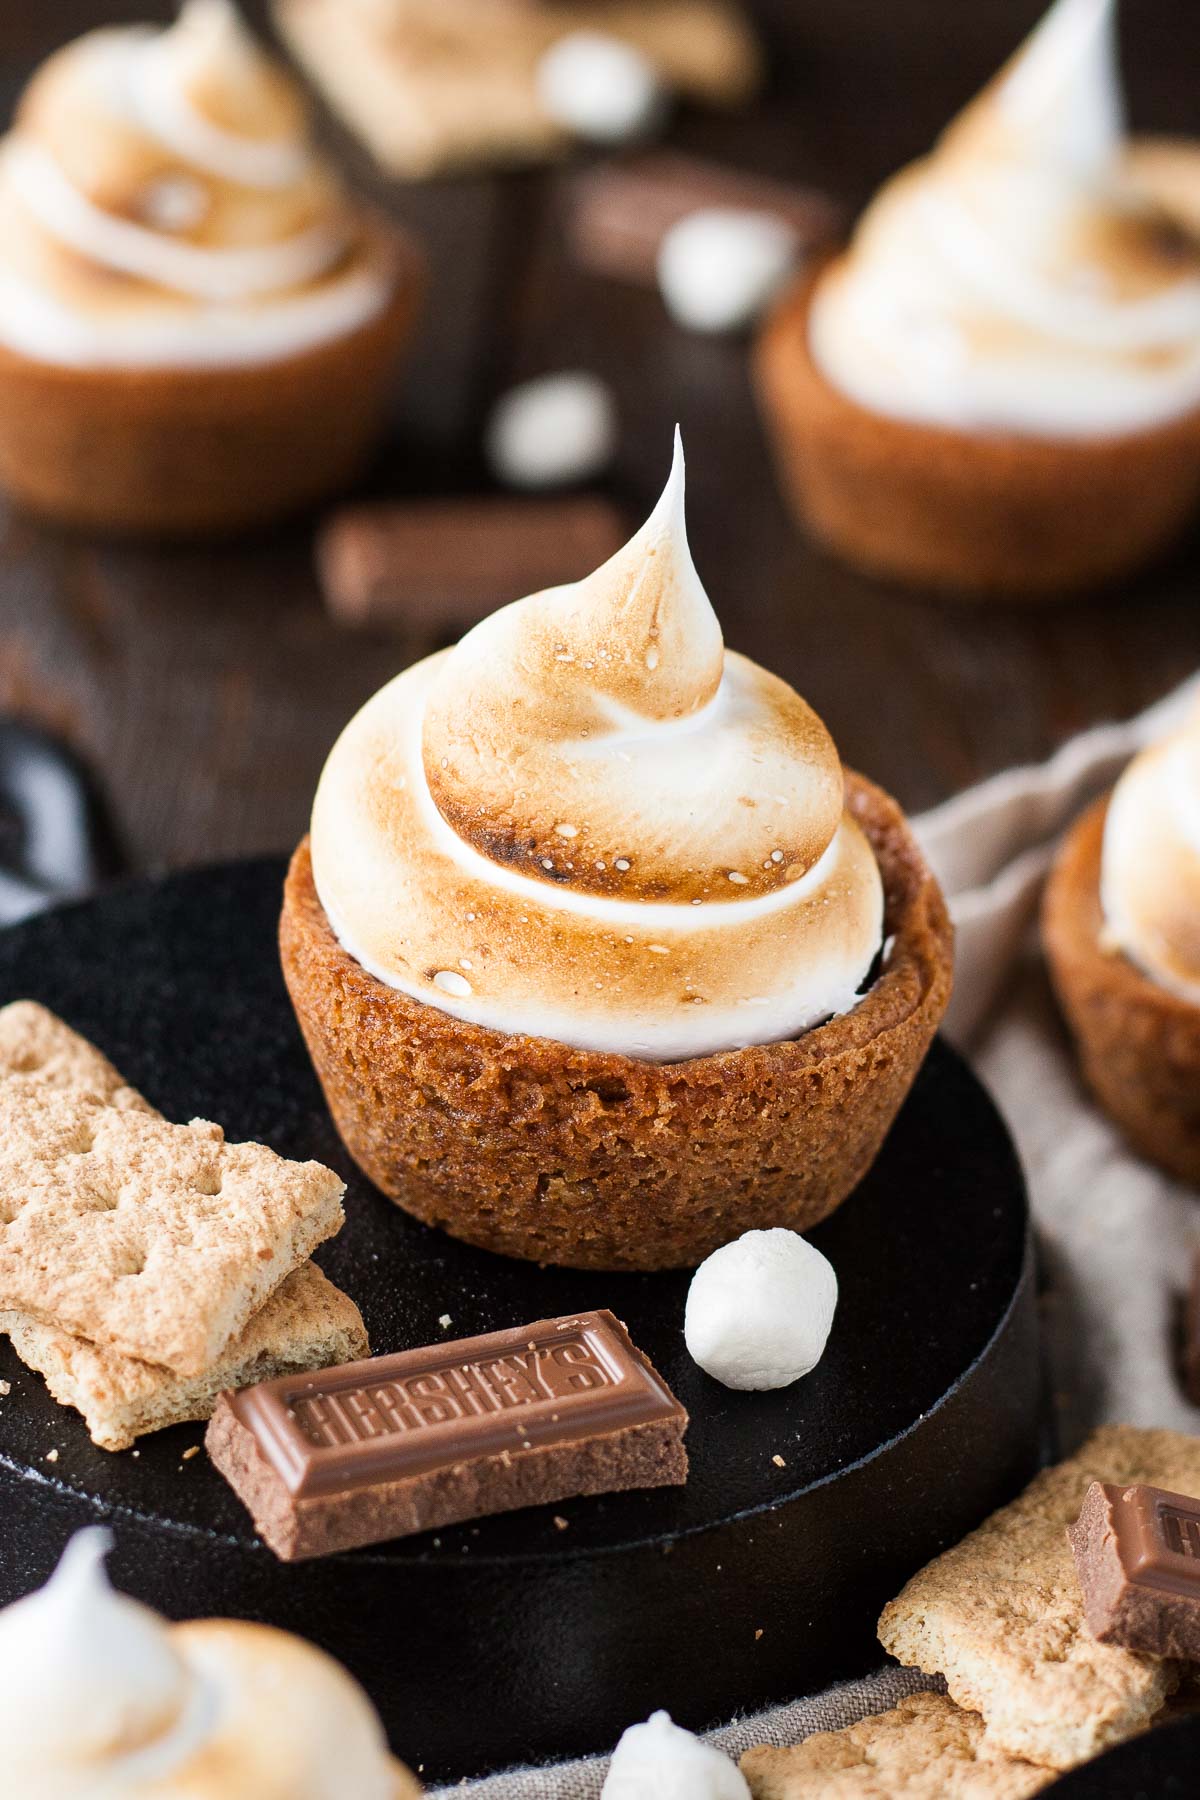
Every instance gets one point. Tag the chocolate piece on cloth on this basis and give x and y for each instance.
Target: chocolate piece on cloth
(1137, 1553)
(445, 564)
(399, 1444)
(619, 212)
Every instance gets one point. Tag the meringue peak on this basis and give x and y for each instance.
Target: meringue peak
(85, 1673)
(641, 627)
(1057, 103)
(560, 737)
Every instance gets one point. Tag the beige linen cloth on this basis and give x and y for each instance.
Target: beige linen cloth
(1116, 1236)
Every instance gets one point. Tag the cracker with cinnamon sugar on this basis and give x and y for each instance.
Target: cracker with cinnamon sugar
(36, 1043)
(158, 1241)
(307, 1323)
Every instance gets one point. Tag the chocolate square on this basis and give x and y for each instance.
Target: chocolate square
(1137, 1553)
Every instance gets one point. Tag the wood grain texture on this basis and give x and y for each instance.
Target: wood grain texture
(208, 685)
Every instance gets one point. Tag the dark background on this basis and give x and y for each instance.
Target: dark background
(207, 686)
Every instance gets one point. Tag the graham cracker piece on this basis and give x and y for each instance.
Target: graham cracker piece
(431, 85)
(926, 1749)
(156, 1240)
(1001, 1615)
(35, 1043)
(306, 1324)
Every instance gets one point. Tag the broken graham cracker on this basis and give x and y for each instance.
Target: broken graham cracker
(431, 85)
(1001, 1614)
(156, 1240)
(34, 1042)
(926, 1748)
(448, 1432)
(1137, 1555)
(305, 1324)
(445, 564)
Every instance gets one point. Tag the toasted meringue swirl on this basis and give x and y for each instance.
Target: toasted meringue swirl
(100, 1699)
(591, 822)
(1150, 879)
(1018, 278)
(160, 205)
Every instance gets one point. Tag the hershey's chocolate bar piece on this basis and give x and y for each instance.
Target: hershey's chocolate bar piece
(1137, 1553)
(447, 563)
(396, 1444)
(620, 212)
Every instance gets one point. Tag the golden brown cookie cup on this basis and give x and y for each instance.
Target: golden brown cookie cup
(1139, 1045)
(185, 452)
(534, 1149)
(971, 514)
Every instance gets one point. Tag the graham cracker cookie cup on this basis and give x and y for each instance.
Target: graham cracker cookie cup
(968, 513)
(1139, 1045)
(593, 1160)
(179, 452)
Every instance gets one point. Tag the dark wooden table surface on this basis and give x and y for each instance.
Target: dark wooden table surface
(207, 685)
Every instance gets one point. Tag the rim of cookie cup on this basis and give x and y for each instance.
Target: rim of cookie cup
(588, 1159)
(969, 514)
(183, 452)
(1139, 1045)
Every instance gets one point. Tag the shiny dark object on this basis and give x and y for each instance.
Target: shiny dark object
(1159, 1765)
(514, 1638)
(57, 840)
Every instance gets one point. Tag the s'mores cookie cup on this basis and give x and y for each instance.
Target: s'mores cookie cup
(100, 1696)
(601, 957)
(996, 387)
(198, 326)
(1121, 926)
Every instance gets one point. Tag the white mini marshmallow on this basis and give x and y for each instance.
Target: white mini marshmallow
(553, 431)
(719, 267)
(661, 1761)
(600, 88)
(759, 1311)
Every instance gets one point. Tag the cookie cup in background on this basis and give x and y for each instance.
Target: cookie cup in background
(969, 513)
(184, 451)
(1139, 1044)
(594, 1160)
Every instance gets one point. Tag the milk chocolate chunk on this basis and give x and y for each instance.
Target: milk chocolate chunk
(619, 212)
(397, 1444)
(445, 564)
(1137, 1553)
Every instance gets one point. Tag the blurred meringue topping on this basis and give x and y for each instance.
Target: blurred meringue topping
(160, 205)
(1017, 278)
(1150, 878)
(100, 1699)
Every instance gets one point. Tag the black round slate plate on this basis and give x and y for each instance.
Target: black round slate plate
(514, 1638)
(1160, 1765)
